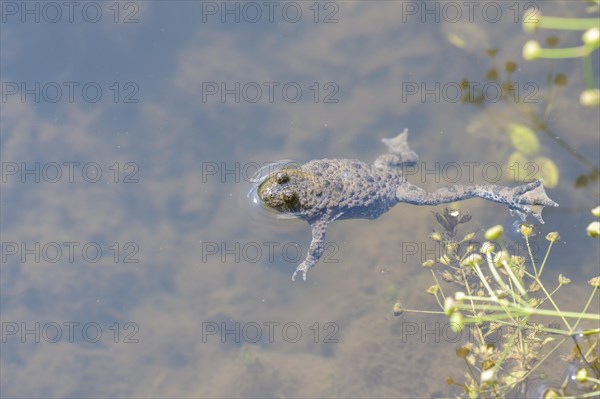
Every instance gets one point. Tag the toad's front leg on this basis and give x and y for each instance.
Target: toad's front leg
(317, 246)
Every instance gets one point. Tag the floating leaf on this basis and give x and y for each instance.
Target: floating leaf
(524, 139)
(518, 168)
(548, 171)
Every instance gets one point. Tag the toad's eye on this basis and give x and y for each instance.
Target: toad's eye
(282, 178)
(289, 197)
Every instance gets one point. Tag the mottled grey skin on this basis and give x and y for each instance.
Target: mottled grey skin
(325, 190)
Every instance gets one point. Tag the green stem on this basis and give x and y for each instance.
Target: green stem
(529, 312)
(555, 331)
(543, 300)
(441, 291)
(565, 52)
(468, 288)
(514, 278)
(587, 305)
(490, 262)
(543, 359)
(531, 255)
(545, 258)
(588, 72)
(585, 395)
(484, 281)
(567, 23)
(423, 311)
(586, 333)
(438, 284)
(558, 312)
(507, 348)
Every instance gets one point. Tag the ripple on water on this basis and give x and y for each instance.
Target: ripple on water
(256, 181)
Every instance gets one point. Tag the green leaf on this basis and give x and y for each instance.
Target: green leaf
(518, 168)
(524, 139)
(547, 171)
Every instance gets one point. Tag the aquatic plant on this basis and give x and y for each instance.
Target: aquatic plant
(533, 50)
(528, 108)
(532, 110)
(503, 299)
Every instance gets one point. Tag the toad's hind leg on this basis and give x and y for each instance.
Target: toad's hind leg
(399, 153)
(525, 199)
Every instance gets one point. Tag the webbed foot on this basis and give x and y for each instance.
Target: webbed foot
(530, 198)
(399, 152)
(302, 268)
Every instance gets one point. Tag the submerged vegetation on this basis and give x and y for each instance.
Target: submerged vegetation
(532, 110)
(528, 109)
(533, 50)
(516, 321)
(519, 333)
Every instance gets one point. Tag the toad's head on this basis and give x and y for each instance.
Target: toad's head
(290, 191)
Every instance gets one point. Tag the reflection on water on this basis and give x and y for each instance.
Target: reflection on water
(182, 254)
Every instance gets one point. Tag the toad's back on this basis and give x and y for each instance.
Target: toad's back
(353, 189)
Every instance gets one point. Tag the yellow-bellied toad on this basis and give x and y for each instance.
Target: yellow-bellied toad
(325, 190)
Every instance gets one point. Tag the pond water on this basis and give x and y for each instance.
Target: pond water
(134, 264)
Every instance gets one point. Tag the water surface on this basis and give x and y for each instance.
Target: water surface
(139, 136)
